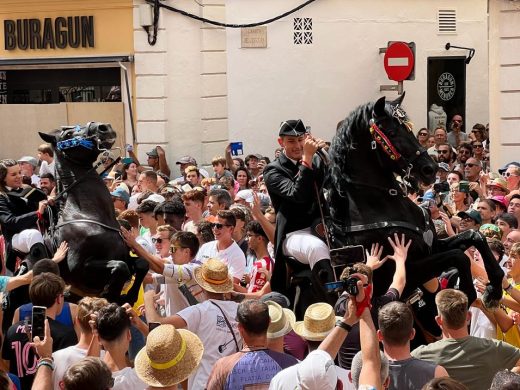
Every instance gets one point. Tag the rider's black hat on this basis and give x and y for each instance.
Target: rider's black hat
(292, 127)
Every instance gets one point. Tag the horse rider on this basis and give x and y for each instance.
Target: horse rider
(292, 181)
(19, 215)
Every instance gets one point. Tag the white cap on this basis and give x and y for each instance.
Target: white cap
(317, 371)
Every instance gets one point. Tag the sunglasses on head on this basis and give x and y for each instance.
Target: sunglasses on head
(218, 225)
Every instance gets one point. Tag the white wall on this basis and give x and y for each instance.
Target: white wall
(321, 83)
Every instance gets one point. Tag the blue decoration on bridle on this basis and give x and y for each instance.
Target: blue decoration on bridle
(74, 142)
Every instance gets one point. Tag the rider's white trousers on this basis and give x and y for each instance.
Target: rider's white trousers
(305, 247)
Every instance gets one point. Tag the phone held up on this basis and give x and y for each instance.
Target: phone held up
(237, 148)
(38, 322)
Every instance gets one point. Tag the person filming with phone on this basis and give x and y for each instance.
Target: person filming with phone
(291, 181)
(46, 293)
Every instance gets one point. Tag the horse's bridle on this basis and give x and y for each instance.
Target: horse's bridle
(380, 138)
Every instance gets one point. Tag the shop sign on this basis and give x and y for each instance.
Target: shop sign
(58, 33)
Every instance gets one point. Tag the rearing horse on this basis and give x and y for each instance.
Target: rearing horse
(367, 204)
(98, 261)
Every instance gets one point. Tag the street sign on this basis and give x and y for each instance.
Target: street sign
(398, 61)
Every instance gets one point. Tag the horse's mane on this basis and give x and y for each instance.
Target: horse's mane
(345, 141)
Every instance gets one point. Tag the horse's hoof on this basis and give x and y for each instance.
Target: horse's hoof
(491, 297)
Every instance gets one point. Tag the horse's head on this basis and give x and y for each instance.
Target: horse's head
(81, 144)
(392, 132)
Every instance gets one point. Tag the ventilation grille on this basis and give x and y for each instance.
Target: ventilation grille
(447, 19)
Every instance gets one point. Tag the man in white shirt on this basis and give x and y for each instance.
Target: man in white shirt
(224, 247)
(212, 320)
(113, 326)
(64, 358)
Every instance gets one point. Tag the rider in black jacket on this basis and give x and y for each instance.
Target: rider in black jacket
(19, 215)
(292, 180)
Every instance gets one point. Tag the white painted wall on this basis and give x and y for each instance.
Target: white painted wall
(321, 83)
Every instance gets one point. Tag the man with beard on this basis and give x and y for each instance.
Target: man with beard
(464, 151)
(47, 183)
(444, 154)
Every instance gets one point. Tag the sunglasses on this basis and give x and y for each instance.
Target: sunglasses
(218, 225)
(443, 151)
(423, 133)
(478, 145)
(508, 174)
(470, 165)
(464, 151)
(159, 240)
(175, 248)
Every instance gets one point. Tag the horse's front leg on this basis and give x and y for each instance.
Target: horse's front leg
(140, 267)
(110, 274)
(495, 274)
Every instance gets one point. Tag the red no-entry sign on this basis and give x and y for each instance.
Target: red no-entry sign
(399, 61)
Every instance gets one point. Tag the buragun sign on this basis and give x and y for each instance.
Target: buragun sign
(58, 33)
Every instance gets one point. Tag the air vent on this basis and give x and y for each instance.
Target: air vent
(447, 19)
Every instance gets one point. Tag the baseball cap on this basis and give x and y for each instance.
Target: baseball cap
(120, 193)
(29, 159)
(246, 195)
(317, 371)
(504, 168)
(501, 199)
(156, 198)
(473, 214)
(153, 153)
(186, 160)
(292, 127)
(444, 166)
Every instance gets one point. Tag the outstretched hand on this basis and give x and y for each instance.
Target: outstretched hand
(374, 257)
(61, 252)
(400, 247)
(128, 237)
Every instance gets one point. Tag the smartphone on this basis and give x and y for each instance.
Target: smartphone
(38, 322)
(153, 325)
(237, 148)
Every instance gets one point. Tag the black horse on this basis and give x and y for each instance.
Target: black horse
(367, 204)
(98, 261)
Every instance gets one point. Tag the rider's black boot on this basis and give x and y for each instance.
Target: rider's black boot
(322, 273)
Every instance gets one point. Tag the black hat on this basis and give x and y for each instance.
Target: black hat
(293, 128)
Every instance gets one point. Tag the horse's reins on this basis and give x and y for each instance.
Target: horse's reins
(77, 181)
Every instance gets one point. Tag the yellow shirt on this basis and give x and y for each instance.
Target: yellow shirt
(512, 336)
(140, 296)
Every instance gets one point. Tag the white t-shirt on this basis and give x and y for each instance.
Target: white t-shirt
(47, 168)
(288, 378)
(127, 379)
(232, 256)
(63, 359)
(174, 276)
(206, 321)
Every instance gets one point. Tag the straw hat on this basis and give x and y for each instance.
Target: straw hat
(169, 357)
(282, 320)
(500, 183)
(318, 322)
(213, 276)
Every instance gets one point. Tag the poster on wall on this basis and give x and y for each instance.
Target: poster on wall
(446, 90)
(3, 87)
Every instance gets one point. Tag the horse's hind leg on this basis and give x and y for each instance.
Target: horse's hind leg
(109, 275)
(470, 238)
(432, 266)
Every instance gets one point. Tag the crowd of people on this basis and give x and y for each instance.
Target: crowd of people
(211, 311)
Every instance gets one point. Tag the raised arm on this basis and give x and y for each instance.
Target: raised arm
(399, 257)
(371, 368)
